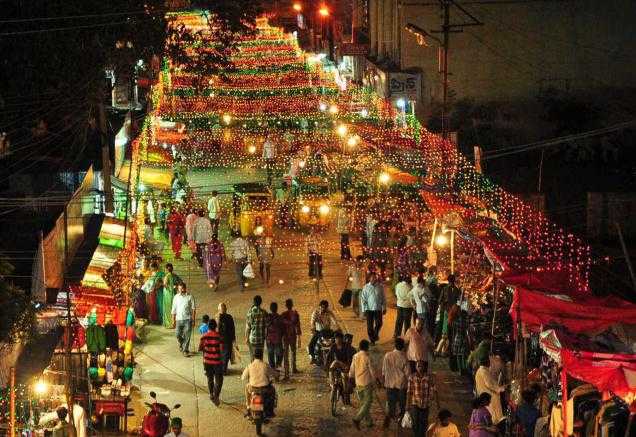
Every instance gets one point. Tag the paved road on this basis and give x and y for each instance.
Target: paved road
(303, 407)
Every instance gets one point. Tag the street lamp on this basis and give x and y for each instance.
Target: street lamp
(297, 7)
(323, 11)
(441, 240)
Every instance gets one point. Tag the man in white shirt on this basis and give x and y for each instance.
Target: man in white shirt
(239, 253)
(322, 319)
(183, 317)
(343, 227)
(404, 306)
(214, 211)
(269, 155)
(373, 303)
(395, 370)
(355, 282)
(202, 235)
(258, 374)
(362, 372)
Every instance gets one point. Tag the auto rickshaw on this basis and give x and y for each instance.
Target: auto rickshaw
(252, 210)
(313, 202)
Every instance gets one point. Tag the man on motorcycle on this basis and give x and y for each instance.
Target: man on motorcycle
(339, 360)
(260, 376)
(322, 319)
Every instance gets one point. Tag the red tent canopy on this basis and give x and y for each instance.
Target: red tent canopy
(585, 314)
(607, 372)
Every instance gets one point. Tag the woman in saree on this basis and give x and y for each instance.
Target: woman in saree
(213, 255)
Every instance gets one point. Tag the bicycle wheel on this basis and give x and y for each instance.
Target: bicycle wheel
(335, 394)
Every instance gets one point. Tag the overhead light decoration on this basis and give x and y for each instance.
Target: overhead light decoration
(342, 130)
(384, 178)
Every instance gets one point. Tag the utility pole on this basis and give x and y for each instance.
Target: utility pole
(444, 43)
(69, 368)
(106, 167)
(445, 47)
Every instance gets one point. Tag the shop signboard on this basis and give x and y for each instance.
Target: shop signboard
(354, 49)
(404, 85)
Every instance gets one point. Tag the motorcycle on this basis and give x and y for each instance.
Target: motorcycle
(156, 422)
(262, 404)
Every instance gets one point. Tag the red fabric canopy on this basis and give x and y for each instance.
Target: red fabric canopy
(607, 372)
(586, 314)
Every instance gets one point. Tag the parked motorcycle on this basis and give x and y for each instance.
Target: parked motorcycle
(156, 422)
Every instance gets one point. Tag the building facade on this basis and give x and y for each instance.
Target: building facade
(520, 47)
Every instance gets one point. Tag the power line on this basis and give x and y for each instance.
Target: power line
(63, 29)
(73, 17)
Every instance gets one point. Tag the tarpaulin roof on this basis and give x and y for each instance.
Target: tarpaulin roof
(607, 372)
(585, 314)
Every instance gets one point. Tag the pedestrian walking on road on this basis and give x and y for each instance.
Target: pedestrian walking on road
(183, 317)
(202, 235)
(256, 326)
(214, 211)
(355, 282)
(211, 345)
(395, 372)
(274, 339)
(361, 372)
(203, 327)
(239, 253)
(373, 304)
(154, 293)
(291, 337)
(420, 344)
(227, 331)
(213, 255)
(404, 306)
(322, 319)
(420, 392)
(343, 227)
(189, 231)
(313, 252)
(265, 254)
(420, 296)
(170, 282)
(176, 227)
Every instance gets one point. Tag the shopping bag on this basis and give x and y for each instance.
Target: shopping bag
(248, 271)
(407, 423)
(345, 298)
(235, 356)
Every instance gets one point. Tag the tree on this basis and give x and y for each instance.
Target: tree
(18, 313)
(53, 56)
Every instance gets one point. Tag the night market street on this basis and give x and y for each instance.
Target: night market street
(302, 218)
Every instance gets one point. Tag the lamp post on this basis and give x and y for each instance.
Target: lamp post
(442, 240)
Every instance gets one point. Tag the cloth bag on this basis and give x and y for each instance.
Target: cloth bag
(407, 422)
(248, 271)
(345, 298)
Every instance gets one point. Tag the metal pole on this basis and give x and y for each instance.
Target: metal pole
(12, 403)
(446, 31)
(69, 373)
(452, 251)
(626, 253)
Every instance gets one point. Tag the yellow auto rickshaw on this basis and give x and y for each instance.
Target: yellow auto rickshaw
(313, 202)
(252, 210)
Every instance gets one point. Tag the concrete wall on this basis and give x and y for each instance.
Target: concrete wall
(521, 48)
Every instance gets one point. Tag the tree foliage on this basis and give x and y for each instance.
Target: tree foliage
(53, 56)
(18, 312)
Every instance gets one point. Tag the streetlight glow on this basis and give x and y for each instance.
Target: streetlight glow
(441, 240)
(323, 11)
(40, 387)
(384, 178)
(342, 130)
(298, 7)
